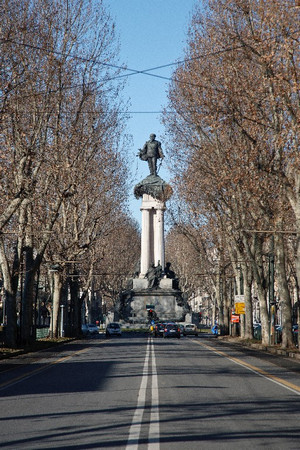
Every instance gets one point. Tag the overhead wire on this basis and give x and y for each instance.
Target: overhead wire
(135, 71)
(132, 71)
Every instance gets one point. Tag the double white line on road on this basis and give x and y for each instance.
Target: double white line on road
(149, 373)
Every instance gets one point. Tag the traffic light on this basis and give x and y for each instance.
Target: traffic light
(200, 316)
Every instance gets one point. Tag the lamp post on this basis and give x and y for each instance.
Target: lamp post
(62, 331)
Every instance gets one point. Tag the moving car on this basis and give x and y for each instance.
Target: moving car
(113, 329)
(181, 327)
(190, 329)
(159, 329)
(84, 329)
(92, 328)
(171, 330)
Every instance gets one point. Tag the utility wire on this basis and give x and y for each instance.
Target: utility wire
(133, 71)
(91, 112)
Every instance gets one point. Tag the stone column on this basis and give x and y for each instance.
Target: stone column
(145, 242)
(152, 244)
(159, 249)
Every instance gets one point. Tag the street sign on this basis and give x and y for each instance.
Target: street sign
(239, 298)
(240, 308)
(235, 318)
(148, 307)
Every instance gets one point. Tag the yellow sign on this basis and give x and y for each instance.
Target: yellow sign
(240, 308)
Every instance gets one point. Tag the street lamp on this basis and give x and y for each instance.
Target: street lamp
(62, 332)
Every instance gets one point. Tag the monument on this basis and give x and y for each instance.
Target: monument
(153, 293)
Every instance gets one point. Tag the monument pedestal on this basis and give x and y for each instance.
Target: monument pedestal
(167, 301)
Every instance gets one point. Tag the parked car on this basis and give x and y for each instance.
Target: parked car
(171, 330)
(190, 329)
(113, 329)
(92, 328)
(257, 331)
(278, 334)
(295, 330)
(159, 329)
(84, 329)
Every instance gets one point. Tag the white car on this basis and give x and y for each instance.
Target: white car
(113, 329)
(92, 328)
(190, 329)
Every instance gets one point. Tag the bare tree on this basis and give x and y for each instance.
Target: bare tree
(236, 97)
(59, 110)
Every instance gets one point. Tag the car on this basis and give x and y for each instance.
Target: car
(84, 329)
(159, 329)
(257, 331)
(278, 334)
(92, 328)
(171, 330)
(295, 331)
(190, 329)
(181, 328)
(113, 329)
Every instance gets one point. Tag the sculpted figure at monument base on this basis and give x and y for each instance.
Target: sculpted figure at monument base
(154, 275)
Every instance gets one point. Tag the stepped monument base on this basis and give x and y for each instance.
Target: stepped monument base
(165, 302)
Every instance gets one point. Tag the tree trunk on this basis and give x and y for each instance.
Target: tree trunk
(240, 277)
(284, 294)
(298, 280)
(10, 284)
(226, 304)
(248, 304)
(75, 313)
(56, 294)
(220, 304)
(11, 326)
(264, 315)
(27, 331)
(261, 283)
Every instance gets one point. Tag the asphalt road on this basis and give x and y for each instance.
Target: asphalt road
(137, 392)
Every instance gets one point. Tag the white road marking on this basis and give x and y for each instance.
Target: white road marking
(154, 417)
(137, 421)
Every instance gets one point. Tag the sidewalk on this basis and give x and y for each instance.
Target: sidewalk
(274, 349)
(37, 346)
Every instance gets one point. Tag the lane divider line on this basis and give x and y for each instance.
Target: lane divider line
(137, 421)
(286, 384)
(153, 441)
(135, 428)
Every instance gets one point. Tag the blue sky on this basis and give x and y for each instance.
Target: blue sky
(152, 33)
